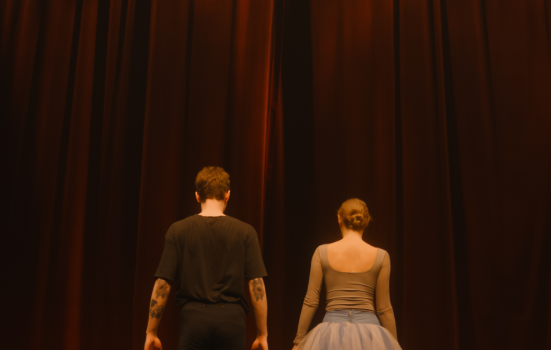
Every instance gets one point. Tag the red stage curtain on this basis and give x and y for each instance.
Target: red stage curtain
(113, 108)
(436, 113)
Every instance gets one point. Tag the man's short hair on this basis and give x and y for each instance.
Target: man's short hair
(212, 182)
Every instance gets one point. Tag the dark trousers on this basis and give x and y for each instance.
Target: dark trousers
(212, 327)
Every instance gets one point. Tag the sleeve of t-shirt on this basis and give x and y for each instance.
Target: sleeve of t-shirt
(168, 266)
(254, 265)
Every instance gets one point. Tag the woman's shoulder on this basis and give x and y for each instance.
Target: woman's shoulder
(334, 244)
(382, 250)
(383, 254)
(384, 257)
(319, 248)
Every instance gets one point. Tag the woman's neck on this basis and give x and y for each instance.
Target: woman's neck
(351, 235)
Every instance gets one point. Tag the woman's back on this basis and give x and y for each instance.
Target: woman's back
(346, 287)
(356, 275)
(351, 256)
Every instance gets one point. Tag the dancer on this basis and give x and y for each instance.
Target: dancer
(207, 257)
(355, 273)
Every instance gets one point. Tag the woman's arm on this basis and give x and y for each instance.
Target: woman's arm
(311, 300)
(384, 307)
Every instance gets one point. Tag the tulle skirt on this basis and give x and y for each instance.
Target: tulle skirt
(349, 330)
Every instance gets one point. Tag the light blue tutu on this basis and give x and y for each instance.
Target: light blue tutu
(349, 330)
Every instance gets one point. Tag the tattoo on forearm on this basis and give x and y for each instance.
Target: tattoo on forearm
(258, 289)
(156, 310)
(162, 288)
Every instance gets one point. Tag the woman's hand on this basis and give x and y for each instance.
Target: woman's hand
(295, 347)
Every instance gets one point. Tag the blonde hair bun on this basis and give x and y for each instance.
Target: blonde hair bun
(354, 214)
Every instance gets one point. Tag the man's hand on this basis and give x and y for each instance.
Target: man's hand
(152, 342)
(261, 342)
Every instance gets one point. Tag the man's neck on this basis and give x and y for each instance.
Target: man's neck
(213, 207)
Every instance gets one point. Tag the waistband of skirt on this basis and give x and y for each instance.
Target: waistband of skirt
(352, 316)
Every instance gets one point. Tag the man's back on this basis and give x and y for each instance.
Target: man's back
(209, 259)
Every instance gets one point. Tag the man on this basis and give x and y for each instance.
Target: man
(207, 258)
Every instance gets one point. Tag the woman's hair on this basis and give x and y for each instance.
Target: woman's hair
(354, 214)
(212, 183)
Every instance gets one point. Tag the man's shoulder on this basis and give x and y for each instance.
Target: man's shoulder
(240, 225)
(194, 221)
(182, 225)
(186, 221)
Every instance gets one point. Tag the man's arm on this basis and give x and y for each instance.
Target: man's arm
(156, 308)
(260, 306)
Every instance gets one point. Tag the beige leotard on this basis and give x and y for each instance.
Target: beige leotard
(348, 291)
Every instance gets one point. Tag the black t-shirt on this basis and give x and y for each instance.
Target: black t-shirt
(209, 259)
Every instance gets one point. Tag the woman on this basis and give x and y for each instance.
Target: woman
(355, 274)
